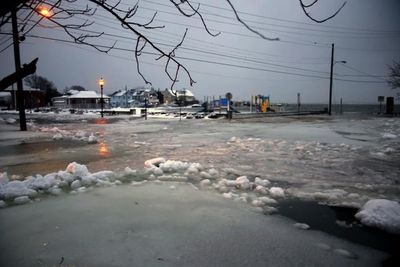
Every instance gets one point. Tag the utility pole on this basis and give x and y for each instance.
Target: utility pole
(17, 59)
(331, 79)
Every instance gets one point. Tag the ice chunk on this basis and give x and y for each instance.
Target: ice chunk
(57, 136)
(331, 194)
(10, 121)
(205, 175)
(81, 189)
(228, 195)
(3, 178)
(242, 182)
(55, 191)
(261, 182)
(65, 176)
(76, 184)
(129, 171)
(277, 192)
(302, 226)
(22, 200)
(92, 139)
(174, 166)
(381, 213)
(77, 169)
(41, 182)
(15, 189)
(389, 136)
(155, 170)
(267, 200)
(261, 190)
(153, 162)
(3, 204)
(205, 183)
(104, 175)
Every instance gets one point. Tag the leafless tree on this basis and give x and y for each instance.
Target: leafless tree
(63, 14)
(394, 75)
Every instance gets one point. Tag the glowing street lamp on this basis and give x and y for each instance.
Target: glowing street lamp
(101, 83)
(45, 11)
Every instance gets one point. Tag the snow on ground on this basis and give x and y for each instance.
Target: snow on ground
(150, 225)
(381, 213)
(338, 162)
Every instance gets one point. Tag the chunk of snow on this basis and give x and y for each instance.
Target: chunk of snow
(3, 178)
(277, 192)
(10, 121)
(174, 166)
(242, 182)
(267, 200)
(129, 171)
(228, 195)
(104, 175)
(15, 189)
(3, 204)
(330, 194)
(55, 191)
(261, 190)
(257, 203)
(259, 181)
(389, 136)
(65, 176)
(205, 175)
(92, 139)
(41, 182)
(57, 136)
(76, 184)
(77, 169)
(153, 162)
(81, 189)
(22, 200)
(381, 213)
(302, 226)
(205, 183)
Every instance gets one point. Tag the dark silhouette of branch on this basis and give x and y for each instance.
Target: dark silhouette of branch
(247, 26)
(64, 14)
(305, 7)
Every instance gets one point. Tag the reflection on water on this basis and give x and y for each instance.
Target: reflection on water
(104, 150)
(101, 121)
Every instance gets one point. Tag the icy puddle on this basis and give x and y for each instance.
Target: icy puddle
(340, 222)
(168, 224)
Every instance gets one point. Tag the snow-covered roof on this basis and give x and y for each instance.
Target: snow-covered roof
(121, 93)
(87, 94)
(25, 88)
(181, 92)
(5, 94)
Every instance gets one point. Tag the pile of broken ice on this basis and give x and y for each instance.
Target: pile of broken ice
(257, 192)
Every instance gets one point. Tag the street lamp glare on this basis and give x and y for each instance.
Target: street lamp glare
(101, 81)
(45, 11)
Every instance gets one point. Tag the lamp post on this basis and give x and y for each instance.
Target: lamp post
(101, 83)
(331, 78)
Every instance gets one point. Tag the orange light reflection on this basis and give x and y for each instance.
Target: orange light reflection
(104, 150)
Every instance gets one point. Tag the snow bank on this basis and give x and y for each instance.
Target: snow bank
(76, 177)
(381, 213)
(277, 192)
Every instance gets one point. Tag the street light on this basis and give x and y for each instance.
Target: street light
(331, 78)
(101, 83)
(45, 11)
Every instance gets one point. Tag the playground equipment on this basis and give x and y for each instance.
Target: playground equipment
(262, 103)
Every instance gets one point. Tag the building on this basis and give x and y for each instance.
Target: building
(135, 97)
(185, 96)
(81, 100)
(33, 98)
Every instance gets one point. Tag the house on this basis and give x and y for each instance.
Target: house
(81, 100)
(135, 97)
(33, 97)
(185, 96)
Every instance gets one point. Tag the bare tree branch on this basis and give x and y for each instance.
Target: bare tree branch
(305, 6)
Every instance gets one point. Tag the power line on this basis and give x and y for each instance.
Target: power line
(213, 62)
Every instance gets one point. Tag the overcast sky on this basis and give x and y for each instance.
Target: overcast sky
(366, 34)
